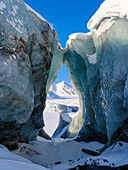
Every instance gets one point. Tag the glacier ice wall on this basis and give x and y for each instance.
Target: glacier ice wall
(82, 63)
(28, 48)
(104, 54)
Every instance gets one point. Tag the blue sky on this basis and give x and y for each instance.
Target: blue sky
(66, 17)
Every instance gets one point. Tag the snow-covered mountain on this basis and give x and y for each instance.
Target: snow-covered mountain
(52, 95)
(63, 89)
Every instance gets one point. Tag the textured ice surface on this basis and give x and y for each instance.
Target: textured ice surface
(28, 48)
(97, 64)
(30, 59)
(83, 73)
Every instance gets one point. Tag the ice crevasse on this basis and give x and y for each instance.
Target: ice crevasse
(31, 57)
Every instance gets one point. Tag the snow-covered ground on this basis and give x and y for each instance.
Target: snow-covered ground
(60, 154)
(55, 154)
(11, 161)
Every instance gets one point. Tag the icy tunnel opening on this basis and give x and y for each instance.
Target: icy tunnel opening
(61, 105)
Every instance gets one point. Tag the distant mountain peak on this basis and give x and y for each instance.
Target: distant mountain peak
(63, 88)
(52, 95)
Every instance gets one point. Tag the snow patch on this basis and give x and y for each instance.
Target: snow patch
(13, 24)
(2, 5)
(79, 36)
(14, 56)
(13, 13)
(15, 9)
(20, 22)
(110, 9)
(92, 59)
(5, 63)
(51, 120)
(15, 20)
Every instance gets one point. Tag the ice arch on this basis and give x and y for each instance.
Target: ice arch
(62, 105)
(31, 57)
(79, 57)
(81, 61)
